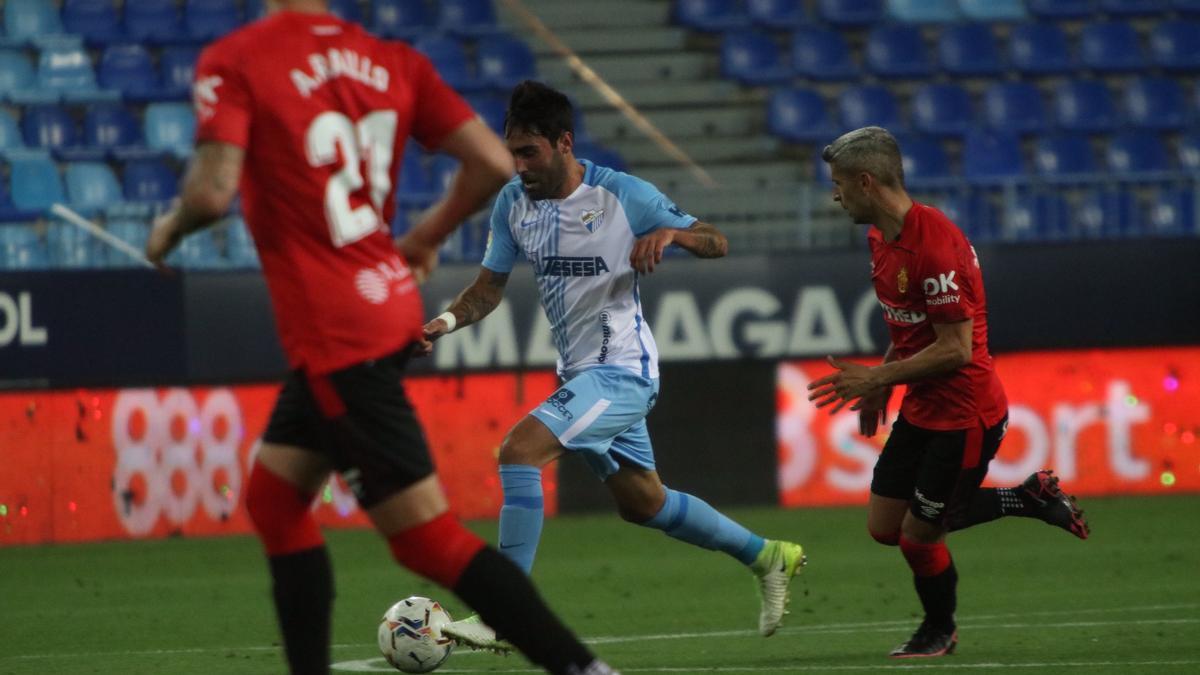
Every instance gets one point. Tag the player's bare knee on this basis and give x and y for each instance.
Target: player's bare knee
(922, 531)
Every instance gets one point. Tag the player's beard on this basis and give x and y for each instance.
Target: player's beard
(548, 183)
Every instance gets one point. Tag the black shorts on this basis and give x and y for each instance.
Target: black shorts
(360, 419)
(938, 471)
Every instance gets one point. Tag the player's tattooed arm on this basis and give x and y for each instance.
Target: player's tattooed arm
(475, 302)
(208, 190)
(702, 240)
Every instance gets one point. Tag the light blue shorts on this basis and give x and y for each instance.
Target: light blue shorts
(601, 413)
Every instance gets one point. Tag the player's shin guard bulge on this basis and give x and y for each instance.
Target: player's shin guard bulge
(279, 513)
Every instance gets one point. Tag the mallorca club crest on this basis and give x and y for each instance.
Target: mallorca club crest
(592, 219)
(902, 280)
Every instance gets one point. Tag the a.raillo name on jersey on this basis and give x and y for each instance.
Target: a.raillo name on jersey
(339, 63)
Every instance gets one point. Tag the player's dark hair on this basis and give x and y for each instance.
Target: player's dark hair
(540, 110)
(870, 149)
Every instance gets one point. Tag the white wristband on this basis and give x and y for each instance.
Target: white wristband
(451, 321)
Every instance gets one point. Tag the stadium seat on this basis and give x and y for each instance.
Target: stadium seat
(1061, 9)
(1014, 106)
(870, 105)
(1137, 152)
(942, 110)
(798, 115)
(822, 55)
(149, 180)
(992, 155)
(1105, 212)
(504, 61)
(210, 19)
(255, 9)
(776, 14)
(72, 248)
(35, 182)
(348, 10)
(1172, 212)
(25, 20)
(49, 127)
(1132, 7)
(239, 246)
(1186, 6)
(1085, 105)
(441, 171)
(113, 129)
(993, 10)
(898, 51)
(601, 156)
(16, 75)
(467, 17)
(66, 69)
(153, 21)
(129, 69)
(1064, 155)
(134, 233)
(970, 210)
(1156, 103)
(752, 58)
(1175, 45)
(450, 59)
(170, 127)
(492, 108)
(1111, 46)
(197, 251)
(969, 49)
(403, 19)
(177, 69)
(1039, 49)
(21, 248)
(1189, 152)
(923, 11)
(851, 12)
(91, 187)
(1039, 216)
(414, 188)
(710, 16)
(96, 21)
(10, 133)
(924, 160)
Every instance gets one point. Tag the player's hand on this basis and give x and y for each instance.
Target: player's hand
(648, 250)
(872, 411)
(430, 333)
(851, 381)
(421, 256)
(164, 236)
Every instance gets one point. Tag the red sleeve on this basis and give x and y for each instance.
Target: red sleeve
(437, 109)
(945, 278)
(221, 97)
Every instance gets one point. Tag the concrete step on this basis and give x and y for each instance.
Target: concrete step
(615, 40)
(636, 67)
(645, 95)
(559, 15)
(608, 125)
(738, 205)
(640, 152)
(750, 175)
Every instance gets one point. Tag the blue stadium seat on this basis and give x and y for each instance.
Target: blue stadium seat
(1014, 106)
(25, 20)
(870, 105)
(1105, 212)
(1085, 105)
(492, 108)
(1040, 216)
(598, 154)
(149, 180)
(1064, 155)
(504, 61)
(467, 17)
(851, 12)
(710, 16)
(1172, 212)
(239, 246)
(993, 10)
(132, 232)
(942, 110)
(16, 75)
(924, 160)
(348, 10)
(752, 58)
(414, 188)
(130, 70)
(403, 19)
(798, 115)
(1186, 6)
(1061, 9)
(177, 69)
(822, 54)
(1175, 45)
(35, 182)
(970, 210)
(923, 11)
(96, 21)
(1132, 7)
(898, 51)
(776, 14)
(992, 155)
(49, 127)
(256, 9)
(210, 19)
(441, 171)
(10, 133)
(1111, 46)
(112, 128)
(91, 187)
(1189, 152)
(153, 21)
(1039, 49)
(1137, 152)
(72, 248)
(969, 49)
(450, 59)
(197, 251)
(1156, 103)
(21, 248)
(170, 127)
(66, 69)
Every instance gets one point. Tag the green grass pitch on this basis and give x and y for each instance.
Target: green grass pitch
(1032, 599)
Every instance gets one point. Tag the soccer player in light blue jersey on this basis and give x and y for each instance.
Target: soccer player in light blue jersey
(590, 232)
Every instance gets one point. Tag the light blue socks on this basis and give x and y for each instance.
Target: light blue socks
(522, 513)
(691, 519)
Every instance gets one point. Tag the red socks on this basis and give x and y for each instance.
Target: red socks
(926, 560)
(438, 550)
(280, 514)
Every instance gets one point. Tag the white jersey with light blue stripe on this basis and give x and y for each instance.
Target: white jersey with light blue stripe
(579, 248)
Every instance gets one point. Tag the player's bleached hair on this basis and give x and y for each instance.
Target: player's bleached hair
(870, 149)
(538, 109)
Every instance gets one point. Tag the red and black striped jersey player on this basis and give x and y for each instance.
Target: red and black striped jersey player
(954, 412)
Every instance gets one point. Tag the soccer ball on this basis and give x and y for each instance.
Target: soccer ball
(410, 635)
